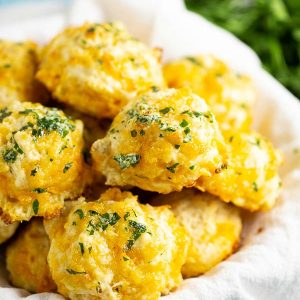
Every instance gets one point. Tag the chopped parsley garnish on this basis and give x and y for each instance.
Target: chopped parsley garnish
(193, 60)
(172, 168)
(34, 171)
(4, 113)
(67, 167)
(142, 132)
(147, 119)
(177, 146)
(127, 214)
(81, 246)
(28, 125)
(40, 190)
(198, 114)
(184, 123)
(155, 89)
(91, 29)
(90, 249)
(17, 148)
(255, 187)
(7, 66)
(142, 118)
(29, 111)
(51, 121)
(125, 258)
(127, 160)
(10, 155)
(166, 127)
(138, 230)
(35, 206)
(73, 272)
(63, 148)
(166, 110)
(102, 221)
(80, 213)
(187, 130)
(192, 167)
(133, 133)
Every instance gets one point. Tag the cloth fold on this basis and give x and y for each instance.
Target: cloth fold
(267, 266)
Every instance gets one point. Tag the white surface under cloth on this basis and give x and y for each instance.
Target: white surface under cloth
(268, 264)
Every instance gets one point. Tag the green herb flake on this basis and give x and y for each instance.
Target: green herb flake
(255, 187)
(63, 148)
(73, 272)
(90, 249)
(125, 258)
(127, 160)
(17, 148)
(142, 132)
(166, 110)
(133, 133)
(139, 229)
(192, 167)
(127, 214)
(4, 113)
(81, 246)
(193, 60)
(231, 139)
(172, 168)
(10, 156)
(80, 213)
(147, 119)
(155, 89)
(102, 221)
(6, 66)
(35, 206)
(184, 123)
(187, 130)
(177, 146)
(67, 167)
(39, 190)
(91, 29)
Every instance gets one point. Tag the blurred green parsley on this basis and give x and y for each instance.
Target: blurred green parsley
(270, 27)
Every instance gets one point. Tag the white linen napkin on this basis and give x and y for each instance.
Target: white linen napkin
(268, 264)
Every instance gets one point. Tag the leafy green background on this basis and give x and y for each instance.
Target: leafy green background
(270, 27)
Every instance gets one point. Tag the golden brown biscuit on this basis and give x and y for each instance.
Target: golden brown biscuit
(41, 161)
(26, 259)
(116, 248)
(162, 141)
(213, 227)
(230, 95)
(18, 64)
(250, 178)
(97, 68)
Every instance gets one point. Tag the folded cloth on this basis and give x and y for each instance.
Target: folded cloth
(267, 266)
